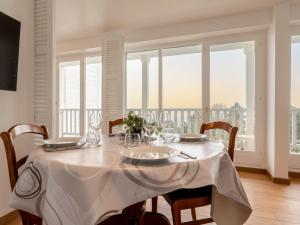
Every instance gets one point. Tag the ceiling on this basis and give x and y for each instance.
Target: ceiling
(78, 19)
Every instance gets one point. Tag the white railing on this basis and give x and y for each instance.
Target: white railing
(69, 121)
(188, 121)
(295, 129)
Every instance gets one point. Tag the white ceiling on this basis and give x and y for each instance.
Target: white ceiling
(77, 19)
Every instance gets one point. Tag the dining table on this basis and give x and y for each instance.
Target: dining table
(98, 185)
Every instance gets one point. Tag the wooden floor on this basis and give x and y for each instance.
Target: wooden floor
(273, 204)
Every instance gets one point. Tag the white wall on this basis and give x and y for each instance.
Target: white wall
(279, 92)
(17, 107)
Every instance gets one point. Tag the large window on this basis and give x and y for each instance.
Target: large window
(295, 96)
(79, 94)
(171, 79)
(176, 89)
(69, 98)
(232, 88)
(142, 80)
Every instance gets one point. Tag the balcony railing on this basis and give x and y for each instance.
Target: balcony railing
(189, 121)
(69, 121)
(295, 129)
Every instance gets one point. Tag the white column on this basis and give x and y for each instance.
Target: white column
(205, 83)
(278, 92)
(145, 78)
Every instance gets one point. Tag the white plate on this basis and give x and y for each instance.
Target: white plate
(193, 137)
(61, 142)
(150, 152)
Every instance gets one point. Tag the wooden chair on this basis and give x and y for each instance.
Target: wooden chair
(113, 124)
(192, 198)
(14, 164)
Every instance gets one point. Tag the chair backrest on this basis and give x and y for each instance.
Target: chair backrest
(232, 131)
(8, 139)
(114, 123)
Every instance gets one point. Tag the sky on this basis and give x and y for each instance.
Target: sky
(295, 78)
(182, 80)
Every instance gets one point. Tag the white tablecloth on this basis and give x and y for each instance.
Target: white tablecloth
(81, 187)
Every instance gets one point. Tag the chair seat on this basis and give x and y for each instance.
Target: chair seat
(189, 194)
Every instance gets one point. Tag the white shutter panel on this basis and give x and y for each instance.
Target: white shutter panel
(43, 63)
(112, 79)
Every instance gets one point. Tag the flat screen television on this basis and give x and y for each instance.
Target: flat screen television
(9, 52)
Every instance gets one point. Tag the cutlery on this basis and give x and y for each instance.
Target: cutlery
(184, 157)
(187, 155)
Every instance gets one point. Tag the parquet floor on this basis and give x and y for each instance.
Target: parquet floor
(273, 204)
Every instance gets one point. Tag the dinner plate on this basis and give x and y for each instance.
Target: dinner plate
(61, 142)
(193, 137)
(150, 152)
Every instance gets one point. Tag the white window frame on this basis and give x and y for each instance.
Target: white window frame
(246, 158)
(82, 59)
(242, 158)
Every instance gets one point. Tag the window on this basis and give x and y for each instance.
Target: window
(180, 81)
(232, 82)
(295, 96)
(69, 98)
(182, 86)
(93, 83)
(79, 94)
(142, 81)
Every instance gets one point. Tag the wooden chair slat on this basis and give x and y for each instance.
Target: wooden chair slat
(184, 199)
(8, 138)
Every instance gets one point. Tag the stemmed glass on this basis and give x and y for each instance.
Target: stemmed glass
(95, 123)
(149, 124)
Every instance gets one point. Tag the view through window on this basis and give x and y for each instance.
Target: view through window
(75, 106)
(232, 89)
(295, 96)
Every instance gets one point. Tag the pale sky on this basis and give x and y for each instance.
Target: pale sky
(295, 79)
(182, 80)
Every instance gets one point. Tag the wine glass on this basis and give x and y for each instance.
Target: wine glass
(164, 119)
(150, 125)
(95, 123)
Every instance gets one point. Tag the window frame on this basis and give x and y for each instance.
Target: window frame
(82, 59)
(242, 158)
(294, 158)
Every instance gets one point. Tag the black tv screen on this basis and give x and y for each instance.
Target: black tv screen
(9, 52)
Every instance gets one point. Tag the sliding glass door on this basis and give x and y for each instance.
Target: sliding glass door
(79, 94)
(169, 80)
(216, 81)
(182, 86)
(232, 89)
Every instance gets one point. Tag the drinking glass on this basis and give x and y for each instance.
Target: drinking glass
(168, 133)
(149, 123)
(164, 119)
(95, 123)
(132, 140)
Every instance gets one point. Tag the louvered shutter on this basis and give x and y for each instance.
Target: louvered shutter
(43, 63)
(112, 79)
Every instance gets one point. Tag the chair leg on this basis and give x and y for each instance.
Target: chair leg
(193, 211)
(25, 218)
(154, 204)
(176, 214)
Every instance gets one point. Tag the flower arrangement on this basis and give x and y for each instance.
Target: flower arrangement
(135, 124)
